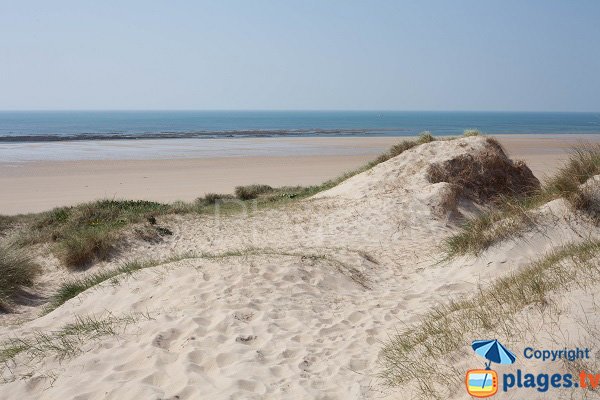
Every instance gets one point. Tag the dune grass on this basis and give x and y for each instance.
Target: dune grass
(213, 198)
(17, 270)
(71, 288)
(87, 232)
(471, 132)
(6, 223)
(66, 341)
(414, 354)
(251, 191)
(512, 214)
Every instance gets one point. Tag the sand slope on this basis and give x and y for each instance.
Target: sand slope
(296, 306)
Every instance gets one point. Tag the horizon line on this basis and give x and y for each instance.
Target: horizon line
(284, 110)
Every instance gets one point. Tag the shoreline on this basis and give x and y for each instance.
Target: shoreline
(34, 186)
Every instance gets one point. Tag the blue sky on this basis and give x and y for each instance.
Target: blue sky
(538, 55)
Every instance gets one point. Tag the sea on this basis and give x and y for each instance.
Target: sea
(99, 135)
(51, 126)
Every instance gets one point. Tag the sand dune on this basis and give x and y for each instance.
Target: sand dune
(286, 303)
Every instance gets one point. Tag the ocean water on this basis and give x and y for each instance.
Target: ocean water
(52, 126)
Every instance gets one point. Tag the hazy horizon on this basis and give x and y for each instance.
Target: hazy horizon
(496, 56)
(295, 110)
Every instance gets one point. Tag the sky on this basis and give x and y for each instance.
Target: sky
(500, 55)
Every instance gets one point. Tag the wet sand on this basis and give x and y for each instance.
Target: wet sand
(41, 185)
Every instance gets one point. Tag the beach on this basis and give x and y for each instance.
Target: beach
(169, 170)
(299, 200)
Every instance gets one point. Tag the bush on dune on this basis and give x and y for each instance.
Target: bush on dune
(511, 212)
(251, 191)
(487, 175)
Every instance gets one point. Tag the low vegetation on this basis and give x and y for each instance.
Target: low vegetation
(416, 354)
(471, 132)
(251, 191)
(17, 270)
(512, 212)
(213, 198)
(71, 288)
(66, 341)
(487, 175)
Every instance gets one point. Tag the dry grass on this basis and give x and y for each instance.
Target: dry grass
(89, 232)
(214, 198)
(471, 132)
(485, 176)
(511, 213)
(67, 341)
(79, 249)
(250, 192)
(74, 287)
(415, 353)
(6, 223)
(17, 270)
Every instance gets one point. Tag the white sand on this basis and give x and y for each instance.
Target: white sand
(298, 311)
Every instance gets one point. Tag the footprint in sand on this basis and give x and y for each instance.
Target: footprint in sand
(164, 339)
(245, 339)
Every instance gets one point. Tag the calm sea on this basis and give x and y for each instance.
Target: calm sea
(27, 126)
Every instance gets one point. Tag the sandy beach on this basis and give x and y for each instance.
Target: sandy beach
(33, 186)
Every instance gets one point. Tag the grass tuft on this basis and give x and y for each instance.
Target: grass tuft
(66, 341)
(79, 249)
(425, 137)
(471, 132)
(17, 270)
(213, 198)
(250, 192)
(70, 289)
